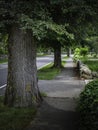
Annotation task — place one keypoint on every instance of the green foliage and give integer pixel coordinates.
(38, 27)
(80, 53)
(45, 29)
(15, 118)
(88, 107)
(47, 18)
(59, 32)
(36, 16)
(77, 51)
(43, 94)
(94, 55)
(93, 43)
(12, 11)
(3, 43)
(1, 51)
(84, 51)
(76, 54)
(79, 14)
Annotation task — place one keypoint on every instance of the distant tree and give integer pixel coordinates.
(55, 38)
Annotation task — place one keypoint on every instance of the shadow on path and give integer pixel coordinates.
(57, 111)
(56, 114)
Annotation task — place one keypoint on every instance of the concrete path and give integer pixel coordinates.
(57, 111)
(66, 84)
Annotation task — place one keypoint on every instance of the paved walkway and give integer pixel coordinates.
(57, 111)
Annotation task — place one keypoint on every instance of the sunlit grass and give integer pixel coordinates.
(93, 65)
(48, 72)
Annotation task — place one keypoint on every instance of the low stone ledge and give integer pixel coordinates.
(85, 72)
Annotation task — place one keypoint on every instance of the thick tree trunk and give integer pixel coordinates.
(57, 56)
(22, 87)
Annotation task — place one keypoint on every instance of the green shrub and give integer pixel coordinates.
(80, 53)
(76, 54)
(94, 55)
(88, 107)
(84, 51)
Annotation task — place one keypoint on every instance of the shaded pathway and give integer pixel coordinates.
(57, 111)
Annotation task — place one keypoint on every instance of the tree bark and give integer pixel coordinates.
(22, 87)
(57, 56)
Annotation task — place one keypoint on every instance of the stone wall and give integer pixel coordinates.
(85, 72)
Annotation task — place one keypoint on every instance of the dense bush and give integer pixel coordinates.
(84, 51)
(88, 107)
(76, 54)
(80, 53)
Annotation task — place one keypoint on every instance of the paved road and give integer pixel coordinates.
(3, 76)
(41, 61)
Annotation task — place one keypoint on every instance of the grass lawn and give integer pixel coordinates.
(48, 72)
(93, 65)
(15, 118)
(3, 61)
